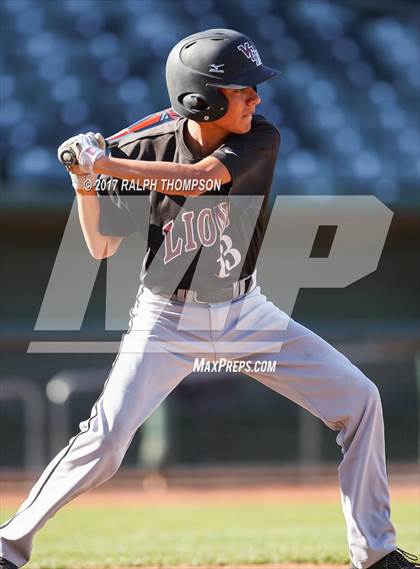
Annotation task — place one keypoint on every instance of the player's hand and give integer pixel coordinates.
(73, 145)
(93, 147)
(86, 148)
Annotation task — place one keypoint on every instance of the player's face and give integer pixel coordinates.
(241, 107)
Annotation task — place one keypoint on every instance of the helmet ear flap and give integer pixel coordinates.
(207, 107)
(194, 102)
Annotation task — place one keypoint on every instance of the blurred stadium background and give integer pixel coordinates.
(347, 106)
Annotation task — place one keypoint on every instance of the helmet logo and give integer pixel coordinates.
(216, 68)
(250, 53)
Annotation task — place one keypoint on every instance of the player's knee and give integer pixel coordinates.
(373, 398)
(367, 389)
(106, 438)
(112, 445)
(363, 411)
(116, 440)
(110, 455)
(367, 393)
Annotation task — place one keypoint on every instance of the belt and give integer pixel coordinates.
(237, 289)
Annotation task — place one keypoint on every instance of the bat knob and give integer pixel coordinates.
(68, 157)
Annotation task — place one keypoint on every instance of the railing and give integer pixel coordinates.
(30, 394)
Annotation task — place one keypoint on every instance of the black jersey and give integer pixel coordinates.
(205, 242)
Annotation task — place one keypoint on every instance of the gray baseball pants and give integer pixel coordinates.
(158, 351)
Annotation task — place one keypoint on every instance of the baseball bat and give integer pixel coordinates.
(68, 156)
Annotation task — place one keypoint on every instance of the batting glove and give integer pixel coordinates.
(88, 155)
(86, 147)
(93, 147)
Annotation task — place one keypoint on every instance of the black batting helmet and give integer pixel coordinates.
(199, 64)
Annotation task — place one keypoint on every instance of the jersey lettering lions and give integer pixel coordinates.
(203, 228)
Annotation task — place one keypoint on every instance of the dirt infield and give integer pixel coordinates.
(155, 490)
(135, 497)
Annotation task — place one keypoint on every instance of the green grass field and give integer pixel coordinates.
(171, 536)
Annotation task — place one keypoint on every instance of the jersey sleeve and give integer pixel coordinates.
(250, 158)
(117, 215)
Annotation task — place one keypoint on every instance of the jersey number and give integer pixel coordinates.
(229, 257)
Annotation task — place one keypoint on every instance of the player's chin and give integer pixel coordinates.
(245, 125)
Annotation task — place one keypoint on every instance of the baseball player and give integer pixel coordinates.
(209, 174)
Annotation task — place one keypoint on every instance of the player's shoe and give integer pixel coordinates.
(4, 564)
(397, 559)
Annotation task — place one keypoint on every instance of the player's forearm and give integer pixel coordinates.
(161, 172)
(100, 246)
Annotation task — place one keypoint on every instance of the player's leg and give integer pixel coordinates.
(142, 375)
(315, 375)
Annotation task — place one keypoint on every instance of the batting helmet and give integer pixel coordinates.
(199, 64)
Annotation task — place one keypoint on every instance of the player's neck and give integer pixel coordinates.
(203, 138)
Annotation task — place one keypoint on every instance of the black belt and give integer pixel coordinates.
(237, 289)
